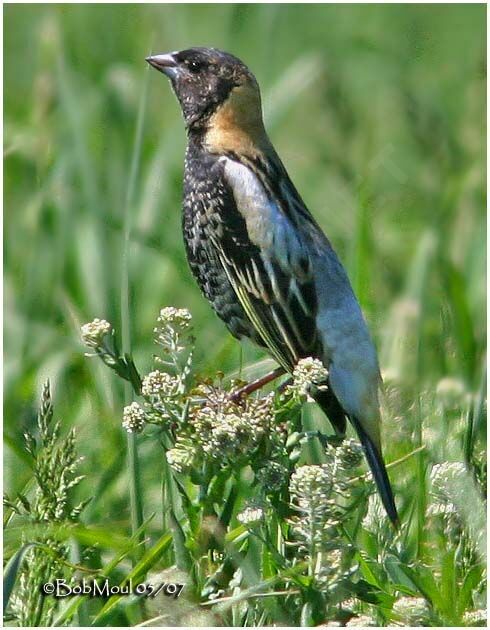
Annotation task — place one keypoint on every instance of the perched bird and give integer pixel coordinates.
(259, 256)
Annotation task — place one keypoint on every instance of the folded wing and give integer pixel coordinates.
(268, 265)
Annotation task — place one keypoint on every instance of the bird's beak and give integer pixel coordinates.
(164, 63)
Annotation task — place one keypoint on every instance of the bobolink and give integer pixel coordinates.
(259, 256)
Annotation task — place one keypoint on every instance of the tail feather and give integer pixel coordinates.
(376, 464)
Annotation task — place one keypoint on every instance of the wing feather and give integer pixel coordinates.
(268, 266)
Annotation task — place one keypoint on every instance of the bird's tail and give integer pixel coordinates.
(377, 466)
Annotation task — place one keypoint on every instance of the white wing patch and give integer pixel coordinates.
(252, 202)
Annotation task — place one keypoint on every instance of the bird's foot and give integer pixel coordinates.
(253, 386)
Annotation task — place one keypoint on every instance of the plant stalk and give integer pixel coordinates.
(135, 490)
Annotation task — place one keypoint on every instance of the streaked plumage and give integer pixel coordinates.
(257, 253)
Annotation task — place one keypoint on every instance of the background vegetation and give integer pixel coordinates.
(378, 114)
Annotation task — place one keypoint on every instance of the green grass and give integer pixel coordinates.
(378, 113)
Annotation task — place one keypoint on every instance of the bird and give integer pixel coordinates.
(259, 256)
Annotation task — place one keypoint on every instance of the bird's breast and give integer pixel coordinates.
(206, 201)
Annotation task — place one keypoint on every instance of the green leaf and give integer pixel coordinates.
(367, 572)
(148, 561)
(132, 374)
(12, 441)
(471, 581)
(235, 535)
(424, 580)
(313, 612)
(370, 593)
(226, 513)
(448, 582)
(462, 320)
(395, 570)
(68, 612)
(306, 619)
(182, 556)
(91, 536)
(11, 571)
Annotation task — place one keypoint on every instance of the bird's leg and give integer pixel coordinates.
(257, 384)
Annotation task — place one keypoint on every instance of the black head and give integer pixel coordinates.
(202, 79)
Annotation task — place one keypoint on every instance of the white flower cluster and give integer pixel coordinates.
(442, 509)
(460, 503)
(173, 332)
(311, 489)
(350, 454)
(450, 392)
(448, 481)
(225, 429)
(361, 621)
(412, 611)
(445, 474)
(181, 457)
(133, 418)
(159, 385)
(307, 372)
(312, 485)
(172, 316)
(375, 519)
(448, 487)
(272, 476)
(251, 515)
(476, 618)
(318, 494)
(94, 332)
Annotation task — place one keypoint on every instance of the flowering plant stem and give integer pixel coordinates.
(135, 491)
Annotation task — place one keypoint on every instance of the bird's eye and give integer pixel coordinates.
(194, 65)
